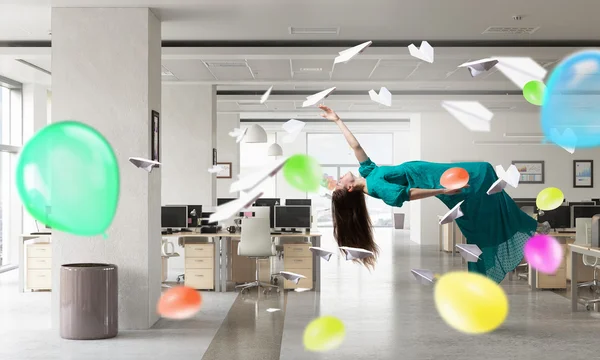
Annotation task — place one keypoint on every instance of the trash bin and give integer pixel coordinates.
(88, 301)
(398, 221)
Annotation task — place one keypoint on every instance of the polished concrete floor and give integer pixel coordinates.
(387, 316)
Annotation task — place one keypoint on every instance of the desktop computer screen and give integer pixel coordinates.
(583, 211)
(597, 201)
(173, 217)
(221, 201)
(270, 202)
(193, 219)
(296, 217)
(304, 202)
(559, 218)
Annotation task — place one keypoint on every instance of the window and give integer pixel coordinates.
(322, 205)
(253, 157)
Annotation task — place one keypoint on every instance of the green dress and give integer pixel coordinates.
(493, 222)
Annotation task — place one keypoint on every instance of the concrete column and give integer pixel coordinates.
(106, 65)
(228, 151)
(189, 135)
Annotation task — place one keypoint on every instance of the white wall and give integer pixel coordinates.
(188, 121)
(227, 151)
(444, 139)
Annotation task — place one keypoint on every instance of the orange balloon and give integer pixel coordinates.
(454, 178)
(180, 302)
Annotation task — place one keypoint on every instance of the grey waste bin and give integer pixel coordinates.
(399, 221)
(88, 301)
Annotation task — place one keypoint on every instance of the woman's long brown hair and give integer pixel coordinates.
(352, 223)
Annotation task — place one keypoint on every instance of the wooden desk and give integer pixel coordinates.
(40, 242)
(583, 250)
(223, 248)
(557, 280)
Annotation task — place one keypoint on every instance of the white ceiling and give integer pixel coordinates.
(366, 20)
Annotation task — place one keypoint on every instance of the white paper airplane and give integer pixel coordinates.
(425, 277)
(497, 187)
(272, 310)
(452, 215)
(238, 134)
(293, 128)
(325, 254)
(265, 96)
(520, 70)
(478, 67)
(471, 114)
(469, 252)
(293, 277)
(384, 97)
(567, 137)
(232, 208)
(511, 175)
(316, 98)
(425, 52)
(348, 54)
(145, 164)
(253, 180)
(356, 253)
(215, 169)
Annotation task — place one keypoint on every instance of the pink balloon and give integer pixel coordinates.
(544, 253)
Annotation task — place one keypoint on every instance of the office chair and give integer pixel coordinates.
(256, 243)
(167, 252)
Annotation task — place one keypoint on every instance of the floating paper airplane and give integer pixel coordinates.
(238, 134)
(471, 114)
(272, 310)
(509, 177)
(215, 169)
(520, 70)
(425, 52)
(425, 277)
(348, 54)
(293, 128)
(325, 254)
(253, 180)
(293, 277)
(145, 164)
(316, 98)
(452, 215)
(568, 138)
(384, 97)
(230, 209)
(356, 253)
(265, 96)
(497, 187)
(469, 252)
(479, 66)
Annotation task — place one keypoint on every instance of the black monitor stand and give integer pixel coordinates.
(291, 231)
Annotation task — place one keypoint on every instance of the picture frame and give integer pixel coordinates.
(155, 136)
(532, 171)
(583, 173)
(226, 172)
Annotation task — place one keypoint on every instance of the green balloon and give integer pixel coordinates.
(534, 92)
(68, 178)
(324, 333)
(303, 172)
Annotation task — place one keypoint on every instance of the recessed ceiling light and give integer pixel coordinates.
(314, 31)
(226, 63)
(310, 69)
(511, 30)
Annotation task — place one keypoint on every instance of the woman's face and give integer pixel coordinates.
(346, 182)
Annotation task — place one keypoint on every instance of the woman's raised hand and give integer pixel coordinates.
(454, 191)
(329, 114)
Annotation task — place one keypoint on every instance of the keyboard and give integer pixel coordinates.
(185, 230)
(276, 233)
(41, 233)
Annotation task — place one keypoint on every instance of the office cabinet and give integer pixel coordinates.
(298, 258)
(558, 280)
(39, 267)
(199, 266)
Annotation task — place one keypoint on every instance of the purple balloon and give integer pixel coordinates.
(544, 253)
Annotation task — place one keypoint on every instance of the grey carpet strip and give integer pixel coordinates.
(249, 332)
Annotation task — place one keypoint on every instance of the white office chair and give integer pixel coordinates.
(256, 243)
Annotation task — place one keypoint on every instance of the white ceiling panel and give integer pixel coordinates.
(439, 70)
(354, 70)
(308, 69)
(187, 70)
(230, 70)
(271, 69)
(281, 105)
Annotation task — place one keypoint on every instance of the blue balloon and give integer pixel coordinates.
(570, 114)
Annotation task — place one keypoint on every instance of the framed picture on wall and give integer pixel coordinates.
(155, 137)
(226, 172)
(583, 173)
(532, 171)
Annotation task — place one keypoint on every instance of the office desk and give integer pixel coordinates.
(222, 243)
(583, 250)
(43, 239)
(561, 274)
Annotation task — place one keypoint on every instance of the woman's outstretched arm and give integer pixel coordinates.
(418, 194)
(354, 144)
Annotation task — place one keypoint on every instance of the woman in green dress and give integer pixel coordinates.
(493, 222)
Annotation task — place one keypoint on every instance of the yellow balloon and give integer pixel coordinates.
(324, 333)
(549, 199)
(470, 302)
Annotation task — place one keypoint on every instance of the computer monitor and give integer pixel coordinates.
(597, 201)
(305, 202)
(575, 203)
(292, 217)
(204, 219)
(270, 202)
(193, 219)
(174, 217)
(583, 211)
(528, 205)
(559, 218)
(221, 201)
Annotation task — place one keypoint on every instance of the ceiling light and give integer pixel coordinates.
(500, 108)
(310, 69)
(314, 31)
(256, 134)
(511, 143)
(226, 64)
(524, 135)
(275, 150)
(510, 30)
